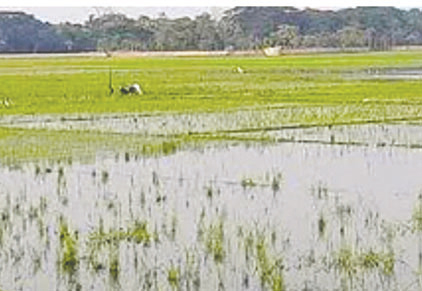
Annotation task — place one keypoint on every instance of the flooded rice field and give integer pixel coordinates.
(276, 119)
(401, 73)
(283, 216)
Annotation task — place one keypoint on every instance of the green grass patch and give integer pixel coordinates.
(80, 85)
(29, 144)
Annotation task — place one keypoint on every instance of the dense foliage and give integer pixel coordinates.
(377, 28)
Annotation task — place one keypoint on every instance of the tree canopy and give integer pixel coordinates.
(239, 28)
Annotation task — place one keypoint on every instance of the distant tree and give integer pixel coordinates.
(378, 28)
(176, 34)
(350, 36)
(206, 33)
(233, 33)
(378, 40)
(287, 36)
(78, 37)
(21, 32)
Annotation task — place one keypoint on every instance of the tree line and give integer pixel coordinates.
(240, 28)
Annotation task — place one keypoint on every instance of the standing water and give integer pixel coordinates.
(290, 216)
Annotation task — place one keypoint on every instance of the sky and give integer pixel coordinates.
(77, 11)
(80, 14)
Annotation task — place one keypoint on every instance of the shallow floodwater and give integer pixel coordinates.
(311, 216)
(411, 73)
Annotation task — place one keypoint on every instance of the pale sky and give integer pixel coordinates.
(80, 14)
(77, 11)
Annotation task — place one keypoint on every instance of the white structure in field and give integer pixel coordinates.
(131, 89)
(272, 51)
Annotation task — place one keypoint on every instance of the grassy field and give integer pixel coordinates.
(312, 89)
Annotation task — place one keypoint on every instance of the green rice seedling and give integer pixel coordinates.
(192, 274)
(370, 260)
(264, 265)
(173, 277)
(139, 233)
(114, 265)
(61, 185)
(94, 262)
(249, 246)
(101, 239)
(69, 256)
(201, 226)
(381, 261)
(351, 262)
(173, 227)
(273, 237)
(346, 261)
(275, 184)
(322, 224)
(104, 177)
(155, 179)
(270, 270)
(60, 174)
(33, 213)
(36, 264)
(209, 192)
(43, 205)
(214, 241)
(278, 283)
(248, 183)
(37, 170)
(388, 262)
(417, 215)
(169, 147)
(142, 199)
